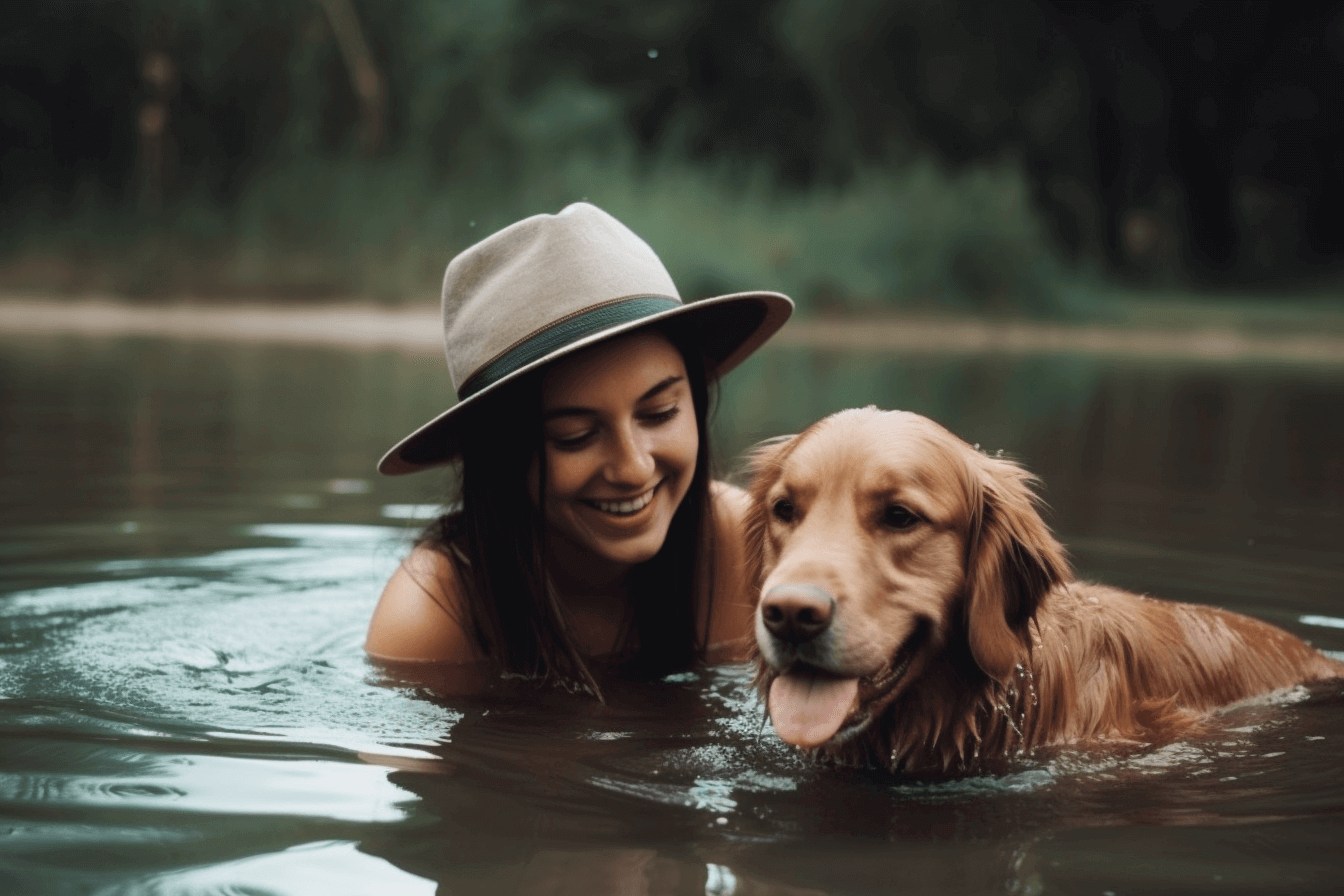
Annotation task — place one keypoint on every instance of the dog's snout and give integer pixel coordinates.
(797, 613)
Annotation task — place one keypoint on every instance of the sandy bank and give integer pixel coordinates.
(417, 330)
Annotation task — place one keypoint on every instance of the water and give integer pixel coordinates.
(191, 541)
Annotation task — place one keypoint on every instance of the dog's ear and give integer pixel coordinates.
(762, 463)
(763, 466)
(1012, 563)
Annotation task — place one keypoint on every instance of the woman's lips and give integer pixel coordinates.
(625, 507)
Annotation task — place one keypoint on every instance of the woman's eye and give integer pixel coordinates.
(571, 442)
(897, 517)
(662, 416)
(783, 510)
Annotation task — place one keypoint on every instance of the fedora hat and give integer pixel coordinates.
(550, 285)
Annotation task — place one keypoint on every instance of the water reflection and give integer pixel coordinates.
(309, 869)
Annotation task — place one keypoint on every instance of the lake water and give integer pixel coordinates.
(192, 539)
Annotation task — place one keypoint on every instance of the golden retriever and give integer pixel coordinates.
(917, 614)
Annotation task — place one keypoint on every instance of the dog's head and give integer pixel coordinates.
(883, 542)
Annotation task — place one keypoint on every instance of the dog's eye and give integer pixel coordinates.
(897, 517)
(783, 510)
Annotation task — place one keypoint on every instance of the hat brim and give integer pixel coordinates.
(729, 328)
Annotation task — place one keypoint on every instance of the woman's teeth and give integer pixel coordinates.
(625, 508)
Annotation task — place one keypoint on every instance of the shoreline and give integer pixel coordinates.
(418, 330)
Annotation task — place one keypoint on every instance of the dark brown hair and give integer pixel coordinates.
(496, 539)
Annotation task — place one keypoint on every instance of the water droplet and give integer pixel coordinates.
(129, 527)
(1250, 542)
(471, 223)
(653, 54)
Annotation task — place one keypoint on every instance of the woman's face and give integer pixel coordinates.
(620, 439)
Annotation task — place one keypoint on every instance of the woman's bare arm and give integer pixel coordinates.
(418, 617)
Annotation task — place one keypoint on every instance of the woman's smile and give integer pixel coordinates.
(623, 508)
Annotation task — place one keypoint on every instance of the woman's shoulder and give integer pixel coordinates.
(420, 615)
(733, 606)
(730, 504)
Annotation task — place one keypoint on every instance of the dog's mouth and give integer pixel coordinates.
(810, 706)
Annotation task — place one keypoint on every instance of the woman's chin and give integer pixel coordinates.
(608, 532)
(629, 551)
(625, 540)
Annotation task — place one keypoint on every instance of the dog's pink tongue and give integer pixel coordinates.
(808, 709)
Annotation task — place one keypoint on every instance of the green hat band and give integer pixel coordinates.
(562, 333)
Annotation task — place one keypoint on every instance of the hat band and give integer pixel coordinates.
(560, 334)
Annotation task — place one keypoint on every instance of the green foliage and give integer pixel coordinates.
(493, 114)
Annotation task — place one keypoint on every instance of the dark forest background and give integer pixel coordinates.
(982, 155)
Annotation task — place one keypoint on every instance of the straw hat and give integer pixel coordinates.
(550, 285)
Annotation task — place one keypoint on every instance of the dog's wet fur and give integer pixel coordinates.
(917, 614)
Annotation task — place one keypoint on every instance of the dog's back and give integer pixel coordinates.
(1112, 664)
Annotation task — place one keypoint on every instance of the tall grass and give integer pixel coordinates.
(912, 239)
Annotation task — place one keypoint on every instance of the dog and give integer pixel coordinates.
(917, 614)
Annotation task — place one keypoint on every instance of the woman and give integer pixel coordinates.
(589, 530)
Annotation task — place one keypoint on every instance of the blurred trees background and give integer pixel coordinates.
(858, 154)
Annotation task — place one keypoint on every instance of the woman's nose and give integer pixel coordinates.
(631, 461)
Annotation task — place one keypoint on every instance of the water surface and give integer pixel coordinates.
(191, 541)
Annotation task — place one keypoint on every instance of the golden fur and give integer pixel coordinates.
(961, 621)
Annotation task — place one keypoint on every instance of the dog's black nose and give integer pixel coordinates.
(797, 612)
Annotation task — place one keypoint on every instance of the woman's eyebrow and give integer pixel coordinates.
(576, 411)
(661, 386)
